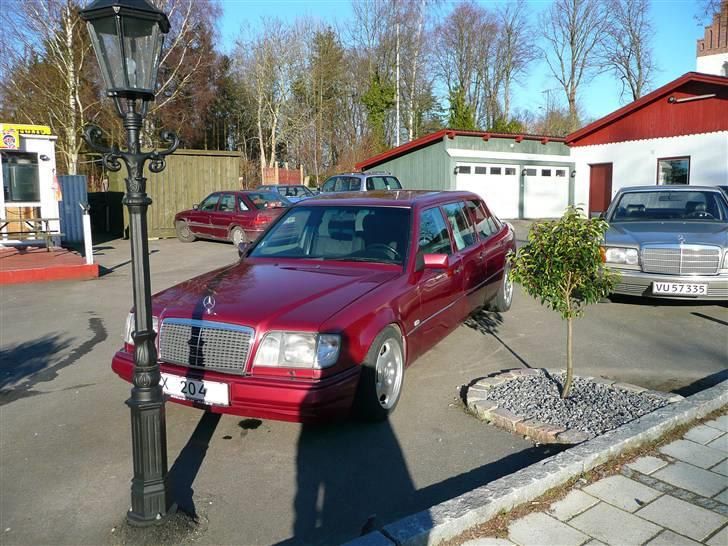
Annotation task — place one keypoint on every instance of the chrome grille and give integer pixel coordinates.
(681, 259)
(205, 344)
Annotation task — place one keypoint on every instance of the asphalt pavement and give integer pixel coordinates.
(65, 460)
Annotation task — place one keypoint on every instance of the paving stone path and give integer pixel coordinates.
(677, 496)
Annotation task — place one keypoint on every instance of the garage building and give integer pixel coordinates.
(678, 134)
(519, 176)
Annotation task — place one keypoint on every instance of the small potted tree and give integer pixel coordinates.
(562, 267)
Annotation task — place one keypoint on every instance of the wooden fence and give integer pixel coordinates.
(190, 176)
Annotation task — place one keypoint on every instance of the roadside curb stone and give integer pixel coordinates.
(454, 516)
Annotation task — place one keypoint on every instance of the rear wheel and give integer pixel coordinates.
(382, 375)
(237, 236)
(184, 233)
(504, 297)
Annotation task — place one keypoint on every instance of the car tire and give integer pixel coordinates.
(382, 377)
(237, 236)
(504, 297)
(184, 233)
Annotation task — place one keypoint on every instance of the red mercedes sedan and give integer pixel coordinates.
(237, 216)
(323, 313)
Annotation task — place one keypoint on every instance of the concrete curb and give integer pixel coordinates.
(450, 518)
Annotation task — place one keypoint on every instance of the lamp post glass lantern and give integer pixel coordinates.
(127, 36)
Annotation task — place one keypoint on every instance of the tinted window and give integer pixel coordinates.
(210, 202)
(242, 205)
(495, 170)
(462, 231)
(366, 234)
(227, 203)
(433, 237)
(510, 171)
(393, 183)
(530, 172)
(480, 219)
(347, 183)
(376, 183)
(481, 170)
(463, 169)
(267, 200)
(329, 184)
(670, 205)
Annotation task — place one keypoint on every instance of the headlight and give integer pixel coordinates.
(627, 256)
(129, 328)
(298, 350)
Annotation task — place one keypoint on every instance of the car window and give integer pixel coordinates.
(227, 203)
(376, 183)
(393, 183)
(267, 200)
(462, 230)
(347, 183)
(330, 184)
(433, 237)
(480, 219)
(210, 202)
(670, 205)
(242, 205)
(342, 233)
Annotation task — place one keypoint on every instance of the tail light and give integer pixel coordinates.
(261, 220)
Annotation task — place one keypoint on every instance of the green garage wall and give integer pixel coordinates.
(425, 169)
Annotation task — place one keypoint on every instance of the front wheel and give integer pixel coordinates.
(184, 233)
(504, 297)
(382, 375)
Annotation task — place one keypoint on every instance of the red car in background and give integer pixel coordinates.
(324, 312)
(237, 216)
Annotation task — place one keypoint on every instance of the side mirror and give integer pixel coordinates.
(195, 206)
(243, 249)
(435, 261)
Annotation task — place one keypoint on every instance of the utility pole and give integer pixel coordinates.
(396, 122)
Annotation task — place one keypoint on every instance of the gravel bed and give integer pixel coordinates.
(592, 408)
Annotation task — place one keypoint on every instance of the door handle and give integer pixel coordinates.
(458, 269)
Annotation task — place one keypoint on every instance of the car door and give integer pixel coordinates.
(485, 229)
(222, 218)
(495, 250)
(439, 290)
(199, 219)
(467, 251)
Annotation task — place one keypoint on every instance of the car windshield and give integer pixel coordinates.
(650, 206)
(268, 200)
(343, 233)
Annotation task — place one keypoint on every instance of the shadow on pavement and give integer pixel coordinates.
(24, 365)
(487, 323)
(185, 468)
(352, 479)
(703, 383)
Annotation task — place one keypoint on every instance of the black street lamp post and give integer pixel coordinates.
(127, 37)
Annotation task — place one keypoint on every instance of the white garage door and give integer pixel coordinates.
(496, 184)
(546, 191)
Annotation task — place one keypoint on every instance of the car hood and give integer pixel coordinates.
(674, 232)
(266, 295)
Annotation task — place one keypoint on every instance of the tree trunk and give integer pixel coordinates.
(569, 359)
(261, 140)
(396, 122)
(71, 83)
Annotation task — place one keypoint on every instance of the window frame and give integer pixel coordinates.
(438, 210)
(674, 158)
(466, 216)
(217, 194)
(219, 202)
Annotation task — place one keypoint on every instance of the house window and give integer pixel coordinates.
(462, 169)
(545, 172)
(495, 170)
(20, 178)
(529, 172)
(673, 170)
(510, 171)
(481, 170)
(560, 173)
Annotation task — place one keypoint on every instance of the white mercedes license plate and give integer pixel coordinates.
(207, 392)
(679, 289)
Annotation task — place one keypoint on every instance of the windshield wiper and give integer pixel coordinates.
(358, 259)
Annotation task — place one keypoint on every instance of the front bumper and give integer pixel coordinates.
(278, 399)
(638, 283)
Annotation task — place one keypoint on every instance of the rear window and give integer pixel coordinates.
(267, 200)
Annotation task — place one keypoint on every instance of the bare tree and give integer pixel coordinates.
(57, 47)
(516, 47)
(573, 32)
(627, 50)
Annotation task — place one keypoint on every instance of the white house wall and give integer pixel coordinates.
(634, 163)
(713, 64)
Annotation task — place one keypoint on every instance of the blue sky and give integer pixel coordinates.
(674, 44)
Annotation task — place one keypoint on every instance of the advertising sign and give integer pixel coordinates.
(10, 134)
